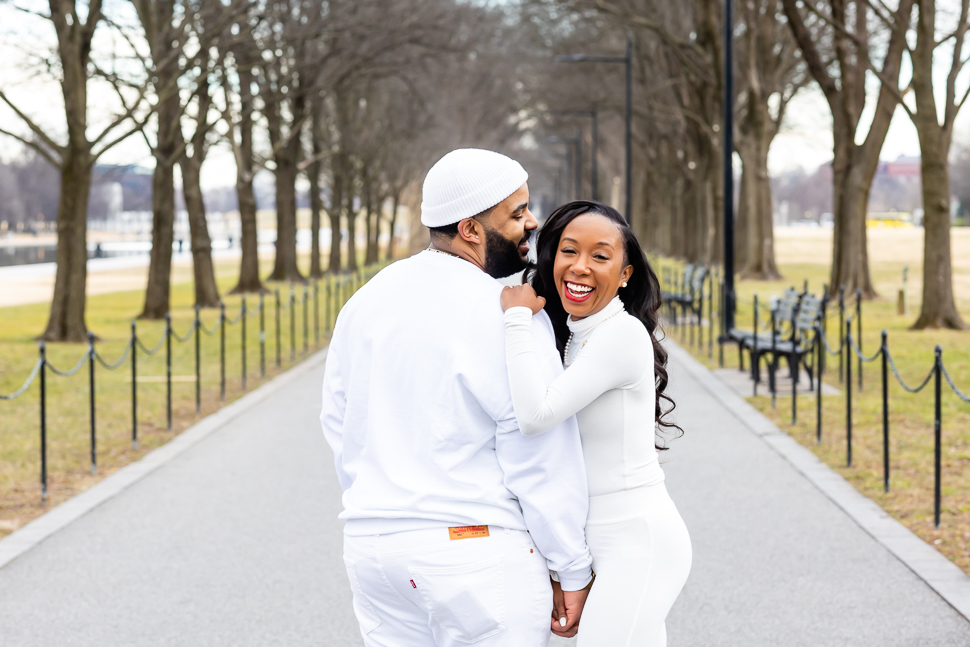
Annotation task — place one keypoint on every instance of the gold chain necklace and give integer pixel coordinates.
(441, 251)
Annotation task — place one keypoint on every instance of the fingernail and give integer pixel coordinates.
(562, 621)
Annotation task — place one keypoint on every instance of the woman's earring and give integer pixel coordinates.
(623, 285)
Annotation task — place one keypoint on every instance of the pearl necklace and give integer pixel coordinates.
(569, 342)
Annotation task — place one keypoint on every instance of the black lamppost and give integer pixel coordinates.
(594, 171)
(729, 296)
(628, 61)
(576, 154)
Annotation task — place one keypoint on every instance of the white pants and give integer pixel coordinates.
(641, 556)
(422, 589)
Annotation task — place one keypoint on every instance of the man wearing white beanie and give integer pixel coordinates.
(453, 517)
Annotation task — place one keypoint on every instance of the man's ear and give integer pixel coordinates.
(471, 231)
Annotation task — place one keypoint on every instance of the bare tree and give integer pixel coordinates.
(772, 74)
(835, 37)
(206, 291)
(938, 309)
(76, 156)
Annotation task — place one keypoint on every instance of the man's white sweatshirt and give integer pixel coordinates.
(418, 412)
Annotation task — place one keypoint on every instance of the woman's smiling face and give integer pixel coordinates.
(590, 265)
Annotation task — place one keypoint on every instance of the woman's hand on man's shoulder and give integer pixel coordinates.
(522, 295)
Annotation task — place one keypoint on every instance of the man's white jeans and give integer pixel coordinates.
(422, 588)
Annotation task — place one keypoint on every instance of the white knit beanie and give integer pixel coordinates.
(466, 182)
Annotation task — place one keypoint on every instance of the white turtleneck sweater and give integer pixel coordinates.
(608, 384)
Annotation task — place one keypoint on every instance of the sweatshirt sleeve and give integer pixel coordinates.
(332, 415)
(608, 361)
(548, 476)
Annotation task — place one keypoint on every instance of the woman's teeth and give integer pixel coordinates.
(577, 290)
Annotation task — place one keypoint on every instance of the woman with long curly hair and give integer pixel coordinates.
(594, 281)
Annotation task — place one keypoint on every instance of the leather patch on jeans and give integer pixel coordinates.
(467, 532)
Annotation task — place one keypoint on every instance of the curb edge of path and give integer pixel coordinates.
(50, 523)
(939, 573)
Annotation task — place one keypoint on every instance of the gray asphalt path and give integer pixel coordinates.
(235, 543)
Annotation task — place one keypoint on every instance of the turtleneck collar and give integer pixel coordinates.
(590, 322)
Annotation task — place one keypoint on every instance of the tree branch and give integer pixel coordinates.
(34, 145)
(37, 130)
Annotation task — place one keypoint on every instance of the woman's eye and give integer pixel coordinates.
(567, 251)
(600, 257)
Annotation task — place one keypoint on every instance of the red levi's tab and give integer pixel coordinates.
(413, 585)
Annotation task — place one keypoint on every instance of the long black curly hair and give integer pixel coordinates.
(641, 297)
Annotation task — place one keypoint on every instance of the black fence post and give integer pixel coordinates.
(794, 388)
(43, 421)
(721, 323)
(885, 412)
(825, 327)
(848, 397)
(841, 330)
(858, 327)
(262, 336)
(818, 384)
(710, 315)
(937, 434)
(198, 361)
(168, 368)
(279, 360)
(222, 350)
(316, 312)
(134, 387)
(292, 324)
(306, 326)
(243, 316)
(92, 404)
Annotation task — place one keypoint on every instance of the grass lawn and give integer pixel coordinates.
(109, 316)
(806, 254)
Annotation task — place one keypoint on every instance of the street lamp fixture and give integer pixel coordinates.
(627, 60)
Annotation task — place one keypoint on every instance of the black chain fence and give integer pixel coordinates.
(802, 339)
(336, 289)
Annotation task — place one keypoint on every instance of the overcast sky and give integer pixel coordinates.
(805, 142)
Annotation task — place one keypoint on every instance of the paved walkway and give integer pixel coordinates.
(235, 542)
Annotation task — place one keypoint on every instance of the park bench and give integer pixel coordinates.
(688, 295)
(799, 343)
(755, 342)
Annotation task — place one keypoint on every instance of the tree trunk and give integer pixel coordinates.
(316, 200)
(351, 229)
(938, 309)
(206, 291)
(756, 211)
(742, 218)
(66, 322)
(286, 268)
(389, 254)
(245, 195)
(850, 201)
(166, 153)
(163, 229)
(336, 207)
(373, 212)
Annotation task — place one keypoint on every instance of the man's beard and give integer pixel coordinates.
(502, 255)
